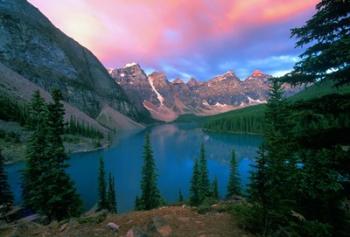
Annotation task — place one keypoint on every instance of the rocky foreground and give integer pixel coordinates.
(179, 221)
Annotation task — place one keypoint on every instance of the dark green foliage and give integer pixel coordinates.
(195, 192)
(181, 197)
(215, 189)
(78, 128)
(247, 120)
(297, 187)
(150, 197)
(6, 197)
(234, 184)
(240, 120)
(9, 136)
(200, 189)
(102, 189)
(328, 32)
(63, 201)
(47, 189)
(204, 183)
(33, 194)
(259, 179)
(11, 110)
(272, 182)
(138, 204)
(111, 198)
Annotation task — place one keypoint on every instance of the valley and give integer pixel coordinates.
(221, 128)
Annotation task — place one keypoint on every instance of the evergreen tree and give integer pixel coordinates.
(273, 174)
(278, 146)
(6, 197)
(195, 189)
(36, 106)
(62, 200)
(259, 179)
(102, 198)
(181, 197)
(47, 189)
(203, 171)
(328, 33)
(150, 194)
(111, 198)
(33, 191)
(138, 204)
(234, 186)
(215, 189)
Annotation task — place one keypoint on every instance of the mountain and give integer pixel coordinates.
(34, 48)
(167, 100)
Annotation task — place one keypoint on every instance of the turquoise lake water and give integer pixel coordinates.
(175, 147)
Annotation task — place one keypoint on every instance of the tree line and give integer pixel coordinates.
(237, 123)
(12, 110)
(74, 126)
(46, 187)
(300, 186)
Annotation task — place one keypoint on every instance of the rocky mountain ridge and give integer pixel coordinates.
(166, 100)
(33, 47)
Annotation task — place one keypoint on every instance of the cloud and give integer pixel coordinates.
(206, 33)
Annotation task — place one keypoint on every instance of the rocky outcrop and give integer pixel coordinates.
(37, 50)
(167, 100)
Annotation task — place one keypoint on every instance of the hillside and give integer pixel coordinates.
(178, 221)
(250, 119)
(34, 48)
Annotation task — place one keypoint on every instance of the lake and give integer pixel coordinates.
(175, 147)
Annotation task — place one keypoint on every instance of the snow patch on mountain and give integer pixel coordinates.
(218, 104)
(159, 96)
(130, 65)
(204, 102)
(252, 101)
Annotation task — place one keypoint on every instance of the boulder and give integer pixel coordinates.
(136, 232)
(63, 227)
(161, 226)
(114, 227)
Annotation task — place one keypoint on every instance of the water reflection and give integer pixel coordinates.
(175, 148)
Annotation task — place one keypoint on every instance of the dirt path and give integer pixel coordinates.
(162, 222)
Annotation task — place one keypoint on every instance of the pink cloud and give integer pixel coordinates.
(122, 31)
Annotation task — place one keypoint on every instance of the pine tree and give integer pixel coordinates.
(277, 144)
(36, 107)
(259, 179)
(234, 186)
(62, 201)
(102, 198)
(181, 197)
(150, 193)
(328, 34)
(215, 189)
(6, 196)
(33, 189)
(111, 198)
(195, 196)
(203, 171)
(47, 189)
(138, 204)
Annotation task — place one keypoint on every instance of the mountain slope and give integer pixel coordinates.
(37, 50)
(167, 100)
(250, 119)
(21, 89)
